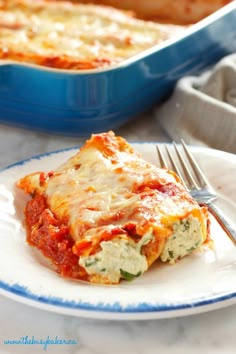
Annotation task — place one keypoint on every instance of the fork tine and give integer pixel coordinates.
(198, 172)
(162, 160)
(188, 174)
(175, 167)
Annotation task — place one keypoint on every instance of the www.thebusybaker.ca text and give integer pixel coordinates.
(43, 342)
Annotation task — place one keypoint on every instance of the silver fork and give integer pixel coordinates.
(195, 181)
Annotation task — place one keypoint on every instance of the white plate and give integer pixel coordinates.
(200, 282)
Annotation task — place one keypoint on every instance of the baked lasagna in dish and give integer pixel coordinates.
(106, 214)
(173, 11)
(66, 35)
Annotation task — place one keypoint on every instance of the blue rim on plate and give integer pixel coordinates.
(78, 103)
(115, 307)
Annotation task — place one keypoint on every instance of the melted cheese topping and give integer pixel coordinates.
(102, 189)
(107, 184)
(180, 11)
(74, 36)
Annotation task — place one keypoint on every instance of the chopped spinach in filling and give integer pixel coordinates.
(187, 236)
(119, 258)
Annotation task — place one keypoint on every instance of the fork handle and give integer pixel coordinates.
(218, 214)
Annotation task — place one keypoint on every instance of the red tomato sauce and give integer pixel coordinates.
(52, 238)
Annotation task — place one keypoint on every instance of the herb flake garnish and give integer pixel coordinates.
(129, 276)
(171, 254)
(90, 262)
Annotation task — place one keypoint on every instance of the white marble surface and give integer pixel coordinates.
(21, 144)
(208, 333)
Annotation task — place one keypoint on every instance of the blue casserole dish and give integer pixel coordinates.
(78, 103)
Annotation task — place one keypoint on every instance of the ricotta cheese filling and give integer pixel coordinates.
(187, 236)
(119, 258)
(122, 258)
